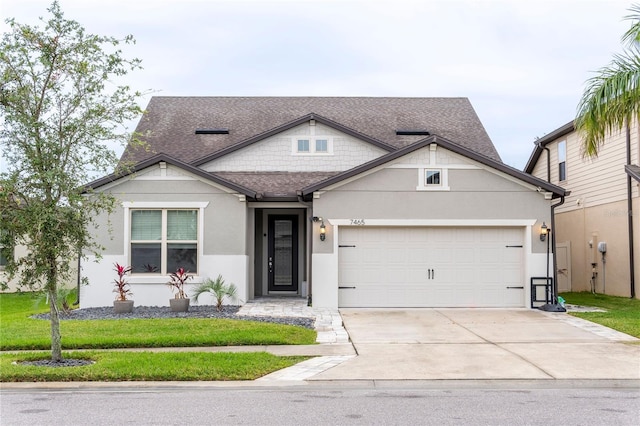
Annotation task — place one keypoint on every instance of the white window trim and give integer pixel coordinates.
(127, 206)
(312, 146)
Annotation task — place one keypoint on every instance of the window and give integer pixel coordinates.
(5, 253)
(321, 145)
(164, 240)
(562, 160)
(303, 145)
(311, 145)
(432, 177)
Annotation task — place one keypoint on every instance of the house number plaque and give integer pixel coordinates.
(359, 222)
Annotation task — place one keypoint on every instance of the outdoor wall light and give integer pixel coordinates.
(544, 231)
(323, 231)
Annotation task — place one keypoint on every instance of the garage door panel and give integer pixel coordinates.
(437, 267)
(418, 254)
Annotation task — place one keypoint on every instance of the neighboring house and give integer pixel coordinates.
(15, 285)
(595, 212)
(351, 202)
(12, 285)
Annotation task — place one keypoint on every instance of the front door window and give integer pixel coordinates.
(283, 253)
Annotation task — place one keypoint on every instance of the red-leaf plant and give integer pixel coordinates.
(178, 279)
(122, 286)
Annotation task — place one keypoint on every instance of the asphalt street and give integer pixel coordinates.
(523, 403)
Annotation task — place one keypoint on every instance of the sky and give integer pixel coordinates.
(522, 64)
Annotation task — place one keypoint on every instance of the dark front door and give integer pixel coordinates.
(282, 261)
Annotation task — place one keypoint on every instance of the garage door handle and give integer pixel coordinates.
(520, 288)
(345, 287)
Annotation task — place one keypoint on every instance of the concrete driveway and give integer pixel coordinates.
(475, 344)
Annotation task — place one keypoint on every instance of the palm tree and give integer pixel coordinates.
(612, 98)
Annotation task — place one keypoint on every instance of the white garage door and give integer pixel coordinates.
(430, 267)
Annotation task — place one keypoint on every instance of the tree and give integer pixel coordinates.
(61, 111)
(612, 97)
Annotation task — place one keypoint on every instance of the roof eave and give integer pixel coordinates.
(556, 190)
(633, 171)
(543, 141)
(158, 158)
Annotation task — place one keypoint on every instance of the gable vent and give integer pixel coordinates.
(412, 133)
(212, 131)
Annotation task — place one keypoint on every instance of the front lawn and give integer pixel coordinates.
(18, 331)
(623, 313)
(147, 366)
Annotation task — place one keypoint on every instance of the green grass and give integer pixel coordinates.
(147, 366)
(20, 332)
(623, 313)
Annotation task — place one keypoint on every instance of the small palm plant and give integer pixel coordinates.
(178, 279)
(122, 286)
(218, 289)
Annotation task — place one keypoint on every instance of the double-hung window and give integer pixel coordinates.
(163, 240)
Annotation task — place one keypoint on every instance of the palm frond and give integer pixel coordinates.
(632, 36)
(611, 100)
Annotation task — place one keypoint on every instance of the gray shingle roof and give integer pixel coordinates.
(170, 122)
(275, 184)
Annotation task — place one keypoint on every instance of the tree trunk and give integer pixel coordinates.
(56, 343)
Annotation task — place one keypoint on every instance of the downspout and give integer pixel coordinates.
(554, 285)
(554, 306)
(630, 218)
(309, 228)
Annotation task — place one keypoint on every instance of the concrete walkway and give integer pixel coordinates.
(328, 322)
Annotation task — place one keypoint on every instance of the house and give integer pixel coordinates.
(595, 239)
(350, 202)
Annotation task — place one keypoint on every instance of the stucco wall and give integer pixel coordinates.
(474, 195)
(224, 217)
(606, 223)
(223, 244)
(391, 195)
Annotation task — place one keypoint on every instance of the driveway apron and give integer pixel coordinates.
(476, 344)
